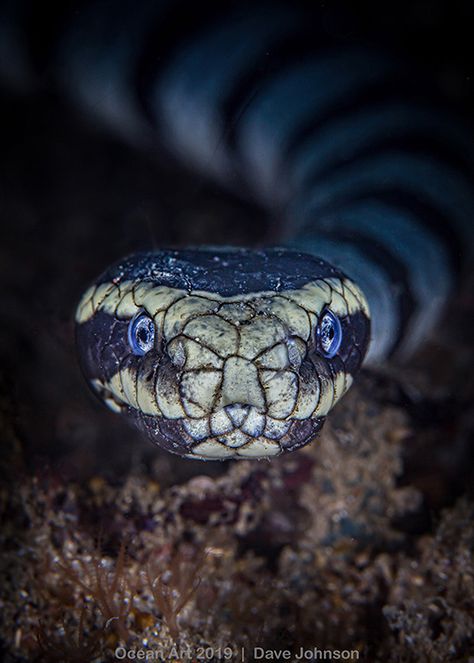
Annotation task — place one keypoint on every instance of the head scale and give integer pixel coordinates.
(221, 354)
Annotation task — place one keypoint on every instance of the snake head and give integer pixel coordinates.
(219, 354)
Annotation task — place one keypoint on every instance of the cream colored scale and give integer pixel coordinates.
(235, 384)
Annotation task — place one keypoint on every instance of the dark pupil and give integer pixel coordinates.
(142, 335)
(331, 333)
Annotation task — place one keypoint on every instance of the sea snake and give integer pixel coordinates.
(232, 353)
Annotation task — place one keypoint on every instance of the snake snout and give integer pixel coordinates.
(241, 386)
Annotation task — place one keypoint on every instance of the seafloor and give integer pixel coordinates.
(362, 541)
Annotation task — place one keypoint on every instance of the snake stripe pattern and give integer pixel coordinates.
(251, 381)
(236, 353)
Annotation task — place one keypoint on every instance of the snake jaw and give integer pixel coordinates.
(232, 421)
(192, 438)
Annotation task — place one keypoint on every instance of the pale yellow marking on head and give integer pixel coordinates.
(197, 428)
(177, 352)
(261, 333)
(114, 394)
(313, 296)
(116, 387)
(85, 308)
(358, 301)
(215, 333)
(196, 356)
(326, 397)
(126, 307)
(339, 386)
(237, 414)
(348, 381)
(146, 397)
(281, 390)
(249, 297)
(114, 298)
(308, 398)
(296, 351)
(220, 423)
(158, 298)
(352, 302)
(104, 297)
(159, 319)
(125, 388)
(112, 404)
(234, 439)
(128, 379)
(101, 292)
(236, 313)
(198, 391)
(338, 305)
(179, 313)
(142, 289)
(275, 428)
(168, 397)
(254, 424)
(276, 358)
(109, 399)
(291, 314)
(334, 284)
(240, 384)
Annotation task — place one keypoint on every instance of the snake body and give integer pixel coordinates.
(234, 353)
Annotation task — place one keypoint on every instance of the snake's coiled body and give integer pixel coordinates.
(241, 354)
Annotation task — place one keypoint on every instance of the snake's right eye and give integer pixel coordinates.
(141, 334)
(329, 334)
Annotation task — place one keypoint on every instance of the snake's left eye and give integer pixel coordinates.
(141, 334)
(329, 334)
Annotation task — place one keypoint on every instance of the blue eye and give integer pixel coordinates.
(329, 334)
(141, 334)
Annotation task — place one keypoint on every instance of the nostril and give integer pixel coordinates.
(177, 354)
(296, 351)
(237, 413)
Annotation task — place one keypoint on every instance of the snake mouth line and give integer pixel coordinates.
(276, 438)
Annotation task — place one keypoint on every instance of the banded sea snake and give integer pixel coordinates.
(236, 353)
